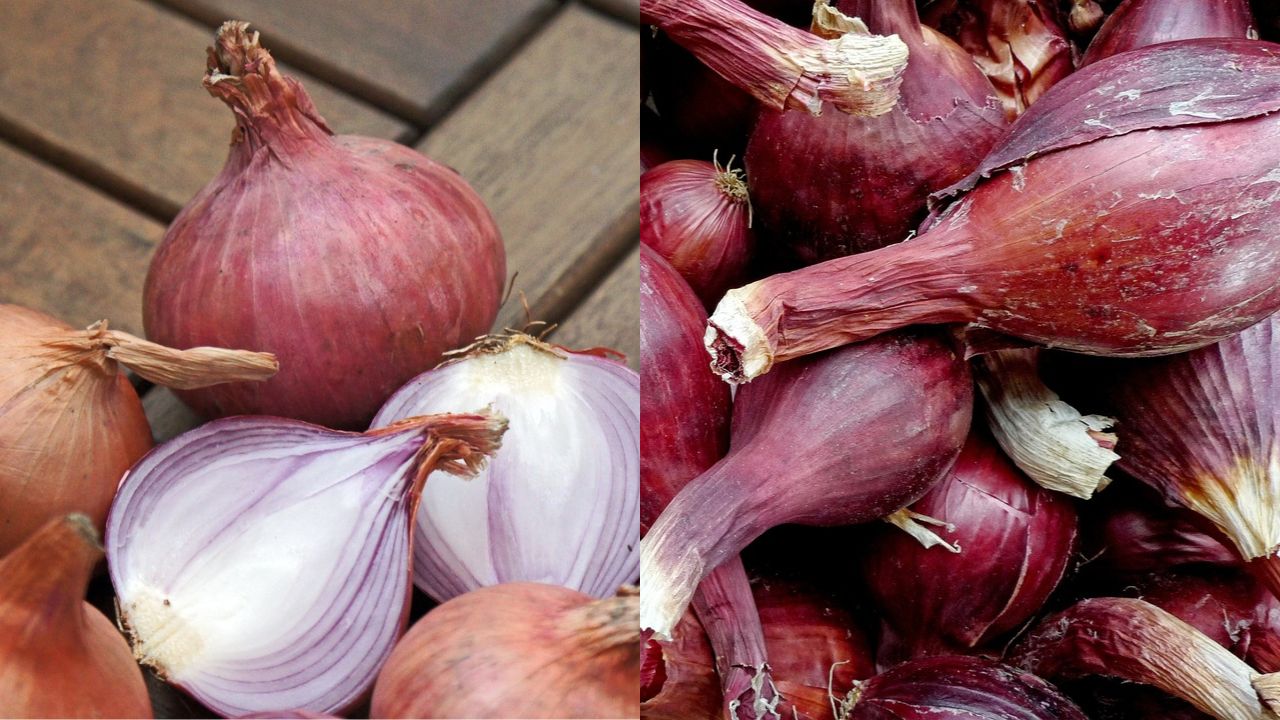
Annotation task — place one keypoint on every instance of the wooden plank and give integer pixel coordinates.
(116, 87)
(169, 418)
(551, 142)
(411, 58)
(67, 250)
(627, 10)
(610, 316)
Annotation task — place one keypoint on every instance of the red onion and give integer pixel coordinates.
(263, 564)
(1104, 698)
(1014, 541)
(828, 186)
(1137, 641)
(959, 688)
(1018, 44)
(678, 678)
(699, 111)
(71, 423)
(698, 217)
(1201, 428)
(1160, 247)
(60, 656)
(516, 650)
(1134, 532)
(782, 67)
(841, 438)
(558, 504)
(356, 260)
(688, 432)
(1138, 23)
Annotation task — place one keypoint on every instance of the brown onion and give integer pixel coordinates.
(1107, 222)
(516, 650)
(782, 67)
(698, 217)
(1018, 44)
(60, 656)
(1138, 23)
(678, 678)
(828, 186)
(840, 438)
(1011, 542)
(356, 260)
(71, 423)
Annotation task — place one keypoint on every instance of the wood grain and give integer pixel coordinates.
(551, 142)
(610, 316)
(67, 250)
(115, 87)
(412, 58)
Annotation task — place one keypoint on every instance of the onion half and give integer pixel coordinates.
(263, 564)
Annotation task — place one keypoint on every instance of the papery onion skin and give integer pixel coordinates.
(1138, 23)
(678, 678)
(1018, 44)
(558, 503)
(291, 538)
(516, 650)
(942, 688)
(840, 438)
(1164, 247)
(356, 260)
(697, 215)
(1015, 542)
(1137, 641)
(60, 656)
(824, 187)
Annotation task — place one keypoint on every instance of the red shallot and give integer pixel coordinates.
(71, 423)
(1138, 23)
(1109, 221)
(828, 186)
(60, 656)
(516, 650)
(678, 678)
(840, 438)
(263, 564)
(698, 217)
(558, 503)
(1011, 542)
(356, 260)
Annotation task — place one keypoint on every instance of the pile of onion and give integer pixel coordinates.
(71, 423)
(357, 261)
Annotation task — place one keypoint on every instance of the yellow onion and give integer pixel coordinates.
(60, 656)
(70, 421)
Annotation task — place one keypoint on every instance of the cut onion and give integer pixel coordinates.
(558, 504)
(263, 564)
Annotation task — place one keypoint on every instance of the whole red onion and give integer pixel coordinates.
(957, 688)
(678, 678)
(840, 438)
(697, 215)
(355, 260)
(1018, 44)
(828, 186)
(1138, 23)
(1015, 540)
(1109, 223)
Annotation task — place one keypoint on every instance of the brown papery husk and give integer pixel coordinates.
(1168, 242)
(1018, 44)
(782, 67)
(60, 656)
(1200, 428)
(678, 678)
(824, 187)
(1135, 640)
(1139, 23)
(517, 650)
(70, 421)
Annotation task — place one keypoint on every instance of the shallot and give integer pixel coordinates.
(678, 678)
(356, 260)
(1109, 221)
(263, 564)
(1138, 23)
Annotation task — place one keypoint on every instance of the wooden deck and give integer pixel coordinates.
(105, 132)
